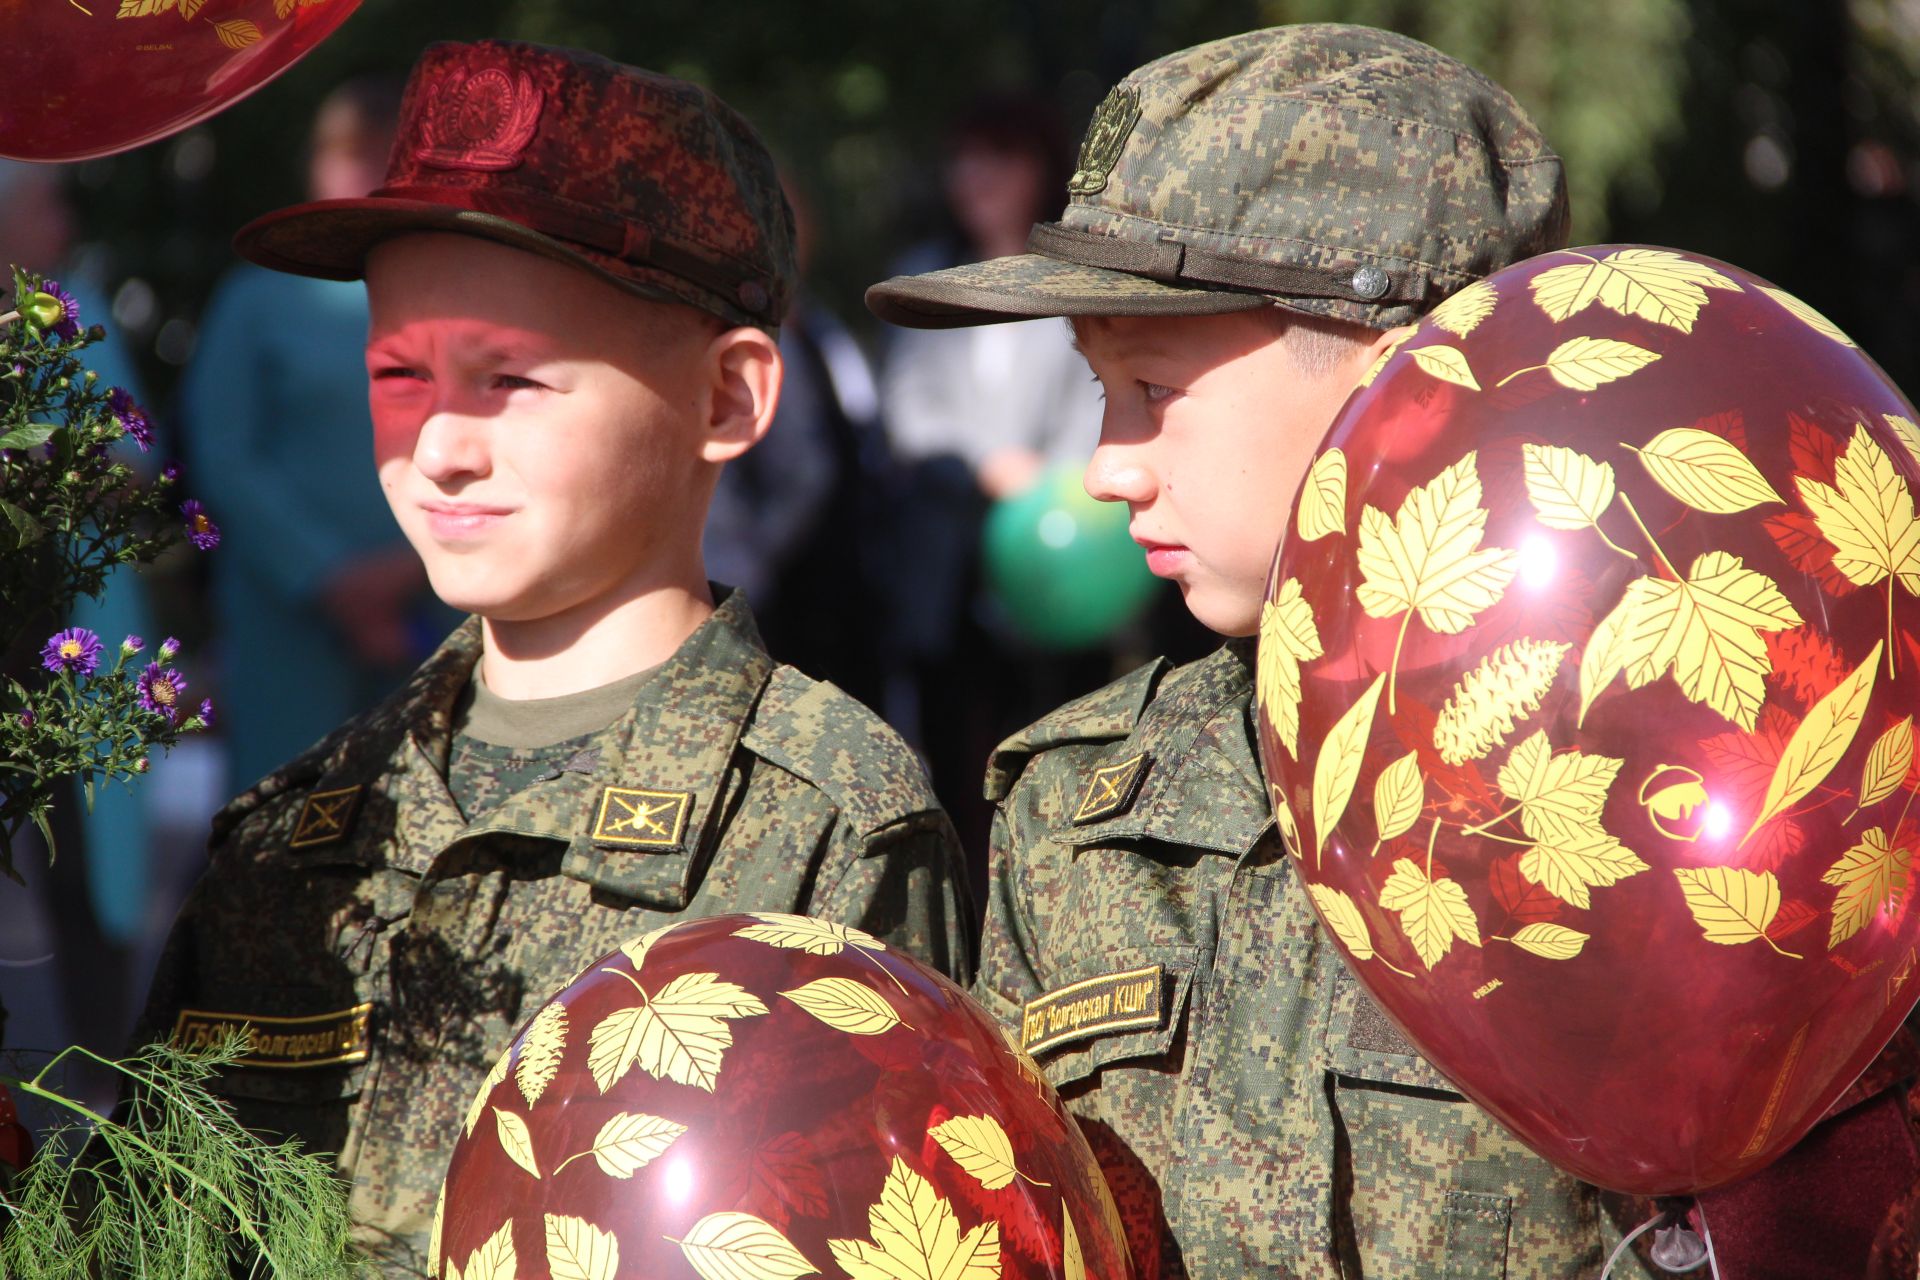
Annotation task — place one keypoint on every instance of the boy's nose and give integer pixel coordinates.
(451, 445)
(1119, 473)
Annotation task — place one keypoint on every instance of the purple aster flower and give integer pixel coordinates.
(131, 417)
(205, 713)
(132, 644)
(170, 473)
(201, 532)
(160, 689)
(68, 325)
(168, 648)
(75, 650)
(26, 718)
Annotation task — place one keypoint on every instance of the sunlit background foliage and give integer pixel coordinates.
(1777, 134)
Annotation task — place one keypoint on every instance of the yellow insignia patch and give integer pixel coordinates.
(1126, 1001)
(1111, 789)
(637, 818)
(327, 816)
(318, 1040)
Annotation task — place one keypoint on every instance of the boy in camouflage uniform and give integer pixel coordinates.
(1251, 221)
(575, 271)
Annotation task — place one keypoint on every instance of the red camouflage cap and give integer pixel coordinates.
(650, 182)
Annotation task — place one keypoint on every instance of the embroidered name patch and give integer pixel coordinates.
(319, 1040)
(1129, 1001)
(327, 816)
(636, 818)
(1111, 790)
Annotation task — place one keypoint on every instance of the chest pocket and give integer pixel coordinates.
(1419, 1204)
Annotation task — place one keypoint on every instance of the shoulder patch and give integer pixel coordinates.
(1104, 715)
(326, 817)
(815, 731)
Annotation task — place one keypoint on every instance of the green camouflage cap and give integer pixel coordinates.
(1336, 170)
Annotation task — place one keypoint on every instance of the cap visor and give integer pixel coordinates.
(1028, 285)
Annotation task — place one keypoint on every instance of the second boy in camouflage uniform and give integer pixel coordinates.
(1251, 220)
(574, 270)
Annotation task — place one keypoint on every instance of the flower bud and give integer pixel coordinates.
(141, 765)
(43, 310)
(168, 648)
(132, 645)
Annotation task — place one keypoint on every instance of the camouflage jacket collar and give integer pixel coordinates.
(669, 753)
(1198, 779)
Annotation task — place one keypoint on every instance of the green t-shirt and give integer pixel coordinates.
(500, 745)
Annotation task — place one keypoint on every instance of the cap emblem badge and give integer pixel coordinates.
(1106, 137)
(480, 121)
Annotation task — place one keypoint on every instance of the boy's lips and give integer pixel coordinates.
(455, 520)
(1164, 559)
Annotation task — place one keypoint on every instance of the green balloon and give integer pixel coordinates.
(1061, 565)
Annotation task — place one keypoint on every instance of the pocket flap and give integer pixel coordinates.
(1362, 1042)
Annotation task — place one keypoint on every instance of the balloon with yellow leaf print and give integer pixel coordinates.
(1588, 678)
(767, 1097)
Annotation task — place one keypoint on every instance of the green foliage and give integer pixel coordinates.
(72, 510)
(175, 1188)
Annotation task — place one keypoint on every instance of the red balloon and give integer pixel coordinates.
(771, 1096)
(88, 78)
(1587, 676)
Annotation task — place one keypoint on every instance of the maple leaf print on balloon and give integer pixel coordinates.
(679, 1033)
(1649, 284)
(1867, 514)
(915, 1234)
(1705, 629)
(1428, 559)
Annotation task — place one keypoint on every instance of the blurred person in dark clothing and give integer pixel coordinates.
(320, 604)
(974, 416)
(796, 523)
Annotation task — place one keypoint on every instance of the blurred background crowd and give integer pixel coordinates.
(1784, 137)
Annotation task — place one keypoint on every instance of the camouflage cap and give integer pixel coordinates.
(1336, 170)
(652, 183)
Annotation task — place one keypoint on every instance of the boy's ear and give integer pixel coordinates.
(744, 372)
(1385, 339)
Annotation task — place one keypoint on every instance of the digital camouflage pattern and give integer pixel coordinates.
(788, 796)
(1271, 1122)
(1338, 170)
(650, 182)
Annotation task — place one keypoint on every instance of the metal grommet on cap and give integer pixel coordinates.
(753, 296)
(1370, 282)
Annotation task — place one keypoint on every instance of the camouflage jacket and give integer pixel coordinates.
(384, 949)
(1255, 1112)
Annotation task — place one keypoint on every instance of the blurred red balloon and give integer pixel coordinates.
(762, 1097)
(1588, 676)
(88, 78)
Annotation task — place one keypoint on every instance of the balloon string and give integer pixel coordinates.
(1662, 1218)
(1626, 1241)
(1706, 1234)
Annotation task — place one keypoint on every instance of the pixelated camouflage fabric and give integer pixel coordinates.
(569, 154)
(801, 801)
(1320, 146)
(1274, 1123)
